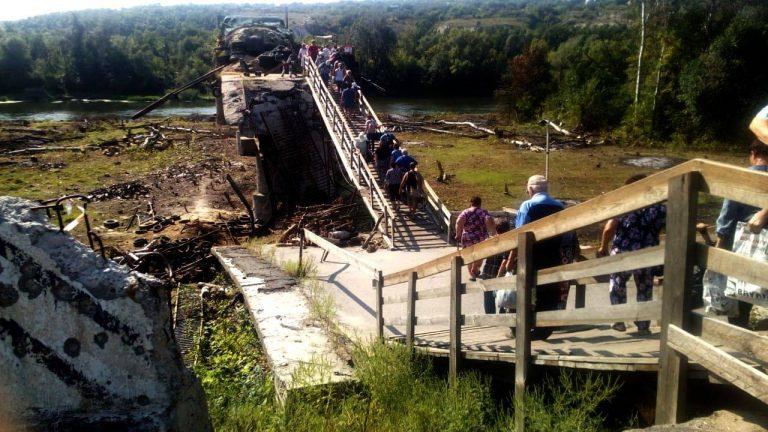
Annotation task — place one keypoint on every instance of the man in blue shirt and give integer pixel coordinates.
(404, 161)
(396, 153)
(540, 203)
(734, 212)
(546, 253)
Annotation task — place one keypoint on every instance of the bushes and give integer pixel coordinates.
(395, 391)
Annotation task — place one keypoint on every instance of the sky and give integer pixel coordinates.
(15, 10)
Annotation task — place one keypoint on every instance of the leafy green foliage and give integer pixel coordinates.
(525, 86)
(703, 73)
(395, 391)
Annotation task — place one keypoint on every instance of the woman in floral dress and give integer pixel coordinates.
(630, 232)
(473, 226)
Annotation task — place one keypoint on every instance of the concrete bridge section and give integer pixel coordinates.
(304, 144)
(85, 344)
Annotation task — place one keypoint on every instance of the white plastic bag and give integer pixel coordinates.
(755, 246)
(714, 297)
(506, 299)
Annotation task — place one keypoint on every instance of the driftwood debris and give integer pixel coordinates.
(464, 129)
(470, 124)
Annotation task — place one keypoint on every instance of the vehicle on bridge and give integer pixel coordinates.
(257, 41)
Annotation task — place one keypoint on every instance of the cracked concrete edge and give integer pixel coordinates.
(286, 381)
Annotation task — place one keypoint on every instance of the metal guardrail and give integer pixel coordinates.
(353, 161)
(436, 208)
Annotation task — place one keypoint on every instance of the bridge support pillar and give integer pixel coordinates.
(679, 257)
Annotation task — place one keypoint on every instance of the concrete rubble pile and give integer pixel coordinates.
(84, 343)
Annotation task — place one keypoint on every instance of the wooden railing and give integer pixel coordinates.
(679, 186)
(344, 141)
(308, 236)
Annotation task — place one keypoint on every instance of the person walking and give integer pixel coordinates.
(303, 53)
(472, 226)
(734, 212)
(546, 253)
(394, 177)
(338, 76)
(396, 153)
(350, 99)
(381, 154)
(492, 268)
(325, 71)
(372, 134)
(404, 160)
(313, 50)
(412, 186)
(630, 232)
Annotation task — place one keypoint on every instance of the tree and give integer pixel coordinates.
(526, 83)
(15, 65)
(374, 42)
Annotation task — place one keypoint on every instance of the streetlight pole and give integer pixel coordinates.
(546, 159)
(546, 123)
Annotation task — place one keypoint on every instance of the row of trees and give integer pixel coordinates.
(661, 68)
(652, 67)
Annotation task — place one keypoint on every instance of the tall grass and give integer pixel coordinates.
(395, 390)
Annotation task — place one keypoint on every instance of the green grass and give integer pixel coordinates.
(89, 170)
(395, 391)
(307, 269)
(482, 167)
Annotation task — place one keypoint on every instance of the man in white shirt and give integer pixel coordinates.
(302, 54)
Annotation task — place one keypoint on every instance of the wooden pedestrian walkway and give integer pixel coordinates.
(583, 337)
(426, 228)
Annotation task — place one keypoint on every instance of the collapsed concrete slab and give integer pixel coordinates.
(84, 342)
(301, 354)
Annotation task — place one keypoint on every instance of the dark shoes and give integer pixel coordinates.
(619, 326)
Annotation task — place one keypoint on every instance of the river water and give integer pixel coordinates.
(77, 109)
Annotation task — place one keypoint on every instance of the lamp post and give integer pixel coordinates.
(545, 123)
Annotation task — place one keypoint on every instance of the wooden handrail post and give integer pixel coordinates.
(679, 257)
(454, 356)
(526, 283)
(379, 305)
(386, 220)
(581, 296)
(301, 246)
(410, 326)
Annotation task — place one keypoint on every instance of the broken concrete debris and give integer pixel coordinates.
(84, 342)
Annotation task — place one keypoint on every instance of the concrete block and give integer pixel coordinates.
(84, 343)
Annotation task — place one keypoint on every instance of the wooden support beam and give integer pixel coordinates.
(327, 246)
(679, 258)
(526, 283)
(753, 345)
(411, 324)
(379, 281)
(722, 364)
(732, 264)
(454, 358)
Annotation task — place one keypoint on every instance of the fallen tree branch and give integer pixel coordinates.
(470, 124)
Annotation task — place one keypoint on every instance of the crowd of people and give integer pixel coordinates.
(396, 170)
(630, 232)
